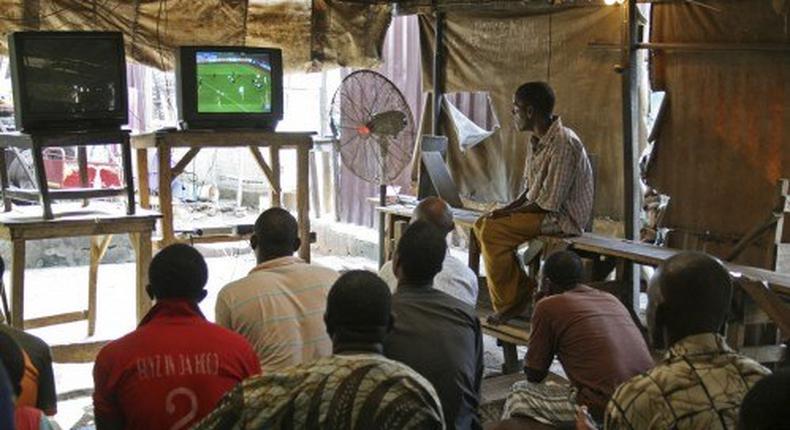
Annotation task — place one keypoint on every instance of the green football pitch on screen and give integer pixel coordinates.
(227, 87)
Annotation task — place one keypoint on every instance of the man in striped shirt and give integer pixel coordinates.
(279, 306)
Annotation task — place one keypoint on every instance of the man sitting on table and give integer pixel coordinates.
(455, 278)
(557, 200)
(171, 371)
(279, 305)
(595, 339)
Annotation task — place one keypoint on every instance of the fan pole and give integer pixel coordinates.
(382, 220)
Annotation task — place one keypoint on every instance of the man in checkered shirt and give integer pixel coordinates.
(701, 382)
(557, 199)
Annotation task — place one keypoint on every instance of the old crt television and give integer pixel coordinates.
(68, 80)
(229, 87)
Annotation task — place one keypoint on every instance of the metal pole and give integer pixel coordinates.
(438, 71)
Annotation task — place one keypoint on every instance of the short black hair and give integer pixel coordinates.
(358, 307)
(765, 406)
(276, 230)
(696, 290)
(13, 360)
(177, 271)
(421, 251)
(564, 269)
(537, 94)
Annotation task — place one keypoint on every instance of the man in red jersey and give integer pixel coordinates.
(171, 371)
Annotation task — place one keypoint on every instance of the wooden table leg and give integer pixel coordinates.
(4, 181)
(126, 151)
(142, 178)
(41, 178)
(82, 164)
(18, 285)
(166, 195)
(99, 246)
(303, 200)
(511, 364)
(142, 249)
(274, 156)
(474, 253)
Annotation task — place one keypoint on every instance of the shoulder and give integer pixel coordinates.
(634, 398)
(321, 270)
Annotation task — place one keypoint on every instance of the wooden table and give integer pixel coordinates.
(164, 142)
(99, 222)
(38, 141)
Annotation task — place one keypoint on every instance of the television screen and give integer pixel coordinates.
(234, 82)
(229, 87)
(68, 79)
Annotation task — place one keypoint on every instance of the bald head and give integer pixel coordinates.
(693, 291)
(435, 211)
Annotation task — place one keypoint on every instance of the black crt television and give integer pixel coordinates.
(229, 87)
(68, 80)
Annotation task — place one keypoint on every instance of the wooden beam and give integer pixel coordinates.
(165, 193)
(274, 156)
(77, 352)
(142, 178)
(56, 319)
(99, 245)
(303, 200)
(438, 71)
(182, 163)
(770, 303)
(18, 285)
(630, 104)
(274, 182)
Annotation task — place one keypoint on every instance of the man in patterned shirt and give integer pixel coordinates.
(557, 199)
(356, 388)
(701, 382)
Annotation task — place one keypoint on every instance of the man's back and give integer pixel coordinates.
(699, 385)
(594, 338)
(439, 336)
(171, 371)
(364, 391)
(455, 279)
(279, 307)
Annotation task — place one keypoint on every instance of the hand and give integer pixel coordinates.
(583, 419)
(499, 213)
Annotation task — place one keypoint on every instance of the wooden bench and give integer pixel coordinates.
(766, 289)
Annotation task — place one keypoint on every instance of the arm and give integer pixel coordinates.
(222, 312)
(511, 207)
(540, 352)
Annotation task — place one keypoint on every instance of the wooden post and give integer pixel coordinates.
(314, 189)
(98, 248)
(165, 194)
(303, 198)
(142, 249)
(630, 143)
(4, 181)
(18, 284)
(142, 178)
(326, 184)
(274, 155)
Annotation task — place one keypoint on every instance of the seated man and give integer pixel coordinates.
(38, 383)
(280, 304)
(557, 200)
(701, 381)
(435, 334)
(765, 406)
(173, 369)
(456, 278)
(591, 333)
(12, 360)
(356, 388)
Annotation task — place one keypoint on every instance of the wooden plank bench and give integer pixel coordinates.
(767, 289)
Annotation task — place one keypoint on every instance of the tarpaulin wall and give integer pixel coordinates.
(341, 34)
(726, 138)
(496, 52)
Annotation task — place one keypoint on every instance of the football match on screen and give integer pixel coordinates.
(232, 82)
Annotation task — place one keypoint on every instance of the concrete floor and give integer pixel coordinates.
(64, 289)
